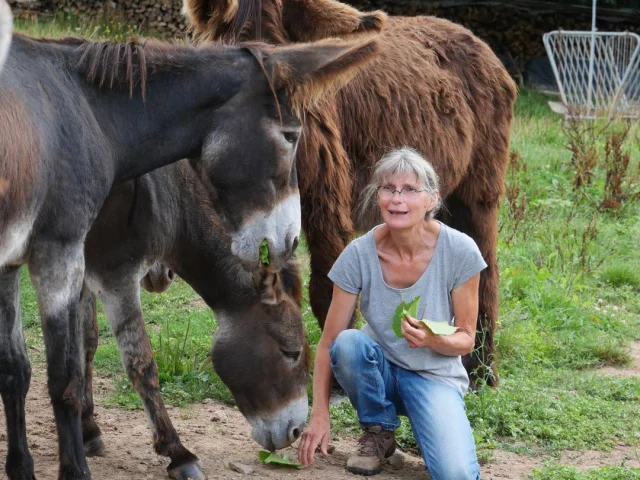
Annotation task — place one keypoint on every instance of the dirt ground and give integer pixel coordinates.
(218, 434)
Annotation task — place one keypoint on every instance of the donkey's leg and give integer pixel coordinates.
(325, 192)
(125, 316)
(91, 434)
(15, 374)
(57, 272)
(480, 221)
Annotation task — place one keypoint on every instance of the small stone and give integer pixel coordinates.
(240, 468)
(397, 460)
(142, 468)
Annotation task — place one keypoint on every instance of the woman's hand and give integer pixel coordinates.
(318, 432)
(417, 334)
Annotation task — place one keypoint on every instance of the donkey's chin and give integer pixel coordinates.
(280, 429)
(280, 228)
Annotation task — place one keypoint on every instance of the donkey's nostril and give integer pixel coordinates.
(295, 244)
(294, 434)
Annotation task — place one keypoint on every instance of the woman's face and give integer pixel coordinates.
(406, 210)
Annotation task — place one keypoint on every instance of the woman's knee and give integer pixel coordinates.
(455, 469)
(349, 348)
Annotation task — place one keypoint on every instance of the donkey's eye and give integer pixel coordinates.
(292, 354)
(291, 137)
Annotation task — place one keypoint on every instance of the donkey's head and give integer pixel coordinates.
(248, 155)
(277, 21)
(262, 355)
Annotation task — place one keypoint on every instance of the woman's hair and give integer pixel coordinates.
(398, 162)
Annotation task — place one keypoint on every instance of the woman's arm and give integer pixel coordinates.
(318, 431)
(465, 310)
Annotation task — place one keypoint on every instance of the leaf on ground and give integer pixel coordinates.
(439, 328)
(264, 252)
(273, 458)
(404, 309)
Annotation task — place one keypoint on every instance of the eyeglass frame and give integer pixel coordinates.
(400, 192)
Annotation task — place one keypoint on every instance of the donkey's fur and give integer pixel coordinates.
(260, 334)
(73, 123)
(434, 87)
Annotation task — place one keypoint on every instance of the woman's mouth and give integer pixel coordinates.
(394, 212)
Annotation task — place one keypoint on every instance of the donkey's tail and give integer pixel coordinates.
(6, 29)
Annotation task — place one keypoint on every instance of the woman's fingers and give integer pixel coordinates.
(307, 448)
(325, 443)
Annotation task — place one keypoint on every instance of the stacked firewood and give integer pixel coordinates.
(159, 16)
(513, 31)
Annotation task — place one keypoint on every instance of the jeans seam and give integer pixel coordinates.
(380, 384)
(416, 434)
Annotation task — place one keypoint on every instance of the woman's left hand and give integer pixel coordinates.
(417, 334)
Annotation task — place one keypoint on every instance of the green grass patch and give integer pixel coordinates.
(559, 472)
(621, 275)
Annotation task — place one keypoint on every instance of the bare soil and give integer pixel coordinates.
(218, 434)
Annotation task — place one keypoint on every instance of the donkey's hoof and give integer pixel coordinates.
(188, 471)
(94, 447)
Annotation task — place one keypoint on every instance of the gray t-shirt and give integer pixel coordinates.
(455, 260)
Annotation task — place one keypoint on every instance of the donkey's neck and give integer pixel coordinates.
(173, 119)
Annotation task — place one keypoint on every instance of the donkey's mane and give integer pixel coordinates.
(127, 65)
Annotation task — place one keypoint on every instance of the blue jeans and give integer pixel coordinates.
(380, 391)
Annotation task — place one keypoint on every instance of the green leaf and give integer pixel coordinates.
(264, 252)
(403, 310)
(439, 328)
(267, 457)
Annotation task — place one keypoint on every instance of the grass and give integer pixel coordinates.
(569, 304)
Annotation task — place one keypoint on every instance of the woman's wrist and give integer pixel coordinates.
(321, 412)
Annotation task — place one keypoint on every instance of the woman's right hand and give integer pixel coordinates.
(318, 432)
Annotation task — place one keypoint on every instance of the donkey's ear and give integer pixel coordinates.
(270, 287)
(208, 16)
(311, 20)
(313, 70)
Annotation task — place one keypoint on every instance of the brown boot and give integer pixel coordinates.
(374, 446)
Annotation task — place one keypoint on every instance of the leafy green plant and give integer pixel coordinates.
(403, 310)
(410, 309)
(264, 252)
(272, 458)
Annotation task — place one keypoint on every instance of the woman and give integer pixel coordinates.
(420, 375)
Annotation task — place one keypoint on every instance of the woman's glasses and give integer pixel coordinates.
(407, 193)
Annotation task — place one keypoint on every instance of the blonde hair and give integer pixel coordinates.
(397, 162)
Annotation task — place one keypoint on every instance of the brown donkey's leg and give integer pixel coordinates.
(125, 316)
(15, 375)
(57, 272)
(480, 222)
(91, 434)
(325, 187)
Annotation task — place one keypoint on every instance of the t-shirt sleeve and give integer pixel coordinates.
(469, 261)
(346, 272)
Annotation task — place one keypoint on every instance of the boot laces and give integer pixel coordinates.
(371, 445)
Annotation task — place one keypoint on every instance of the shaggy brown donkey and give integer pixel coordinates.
(435, 87)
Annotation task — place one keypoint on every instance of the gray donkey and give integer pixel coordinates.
(77, 118)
